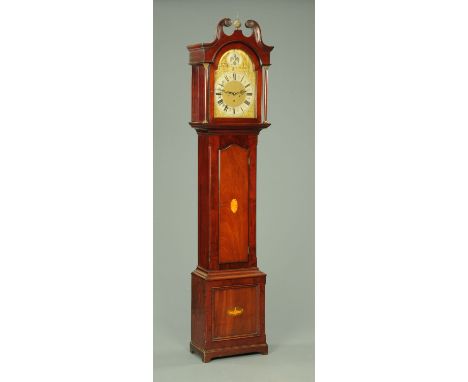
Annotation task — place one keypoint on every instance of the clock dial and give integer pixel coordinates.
(235, 86)
(234, 95)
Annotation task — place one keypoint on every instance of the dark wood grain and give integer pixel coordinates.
(198, 311)
(235, 312)
(203, 201)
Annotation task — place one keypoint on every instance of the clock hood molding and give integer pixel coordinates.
(206, 52)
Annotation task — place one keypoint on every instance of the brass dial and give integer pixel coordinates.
(235, 86)
(234, 94)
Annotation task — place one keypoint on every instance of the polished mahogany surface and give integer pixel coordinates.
(228, 313)
(235, 311)
(228, 290)
(233, 204)
(226, 171)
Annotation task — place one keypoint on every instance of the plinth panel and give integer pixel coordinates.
(235, 312)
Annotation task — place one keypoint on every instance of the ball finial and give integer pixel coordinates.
(237, 24)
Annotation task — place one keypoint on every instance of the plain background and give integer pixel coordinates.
(285, 190)
(76, 191)
(391, 191)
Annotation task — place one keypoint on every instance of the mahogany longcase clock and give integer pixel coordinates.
(229, 109)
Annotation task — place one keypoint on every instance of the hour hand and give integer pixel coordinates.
(225, 91)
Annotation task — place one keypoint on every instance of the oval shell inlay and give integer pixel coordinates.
(234, 206)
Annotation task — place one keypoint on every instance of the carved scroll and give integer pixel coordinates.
(226, 22)
(255, 29)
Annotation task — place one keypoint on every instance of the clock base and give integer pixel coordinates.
(228, 312)
(208, 355)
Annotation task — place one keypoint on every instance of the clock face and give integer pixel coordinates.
(234, 94)
(235, 86)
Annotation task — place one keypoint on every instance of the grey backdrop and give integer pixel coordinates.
(285, 190)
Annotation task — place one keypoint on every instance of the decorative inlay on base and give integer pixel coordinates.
(235, 312)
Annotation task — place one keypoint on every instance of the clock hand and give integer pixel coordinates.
(227, 92)
(232, 93)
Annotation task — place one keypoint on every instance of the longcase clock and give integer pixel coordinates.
(229, 109)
